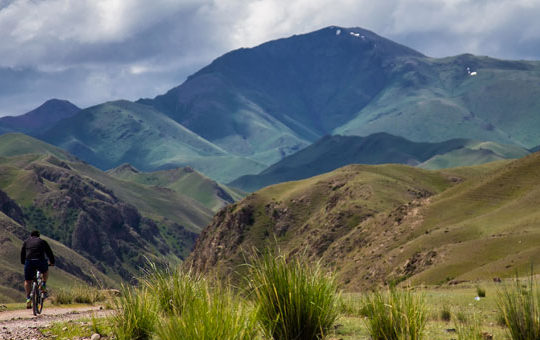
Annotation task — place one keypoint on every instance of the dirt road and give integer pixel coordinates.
(21, 324)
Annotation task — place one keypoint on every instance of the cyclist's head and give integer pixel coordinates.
(35, 233)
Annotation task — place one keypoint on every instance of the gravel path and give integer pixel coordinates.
(22, 324)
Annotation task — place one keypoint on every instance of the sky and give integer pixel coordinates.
(92, 51)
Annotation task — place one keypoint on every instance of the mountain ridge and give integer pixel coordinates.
(332, 152)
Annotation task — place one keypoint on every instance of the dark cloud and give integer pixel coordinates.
(89, 51)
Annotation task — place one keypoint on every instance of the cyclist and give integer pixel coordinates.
(33, 254)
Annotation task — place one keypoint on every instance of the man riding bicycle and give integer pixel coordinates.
(33, 254)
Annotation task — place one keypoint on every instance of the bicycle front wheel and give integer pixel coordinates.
(37, 301)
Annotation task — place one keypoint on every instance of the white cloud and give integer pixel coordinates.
(132, 48)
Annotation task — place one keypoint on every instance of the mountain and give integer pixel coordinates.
(113, 223)
(352, 81)
(70, 266)
(252, 107)
(535, 149)
(332, 152)
(40, 119)
(390, 223)
(269, 101)
(110, 134)
(185, 181)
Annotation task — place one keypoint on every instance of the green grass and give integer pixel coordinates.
(519, 305)
(215, 313)
(82, 328)
(295, 299)
(135, 316)
(79, 294)
(395, 314)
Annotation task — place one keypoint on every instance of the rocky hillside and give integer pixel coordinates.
(390, 223)
(70, 268)
(114, 224)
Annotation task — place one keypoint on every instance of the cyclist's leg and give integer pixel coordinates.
(44, 269)
(29, 274)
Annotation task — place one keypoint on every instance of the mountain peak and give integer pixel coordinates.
(41, 118)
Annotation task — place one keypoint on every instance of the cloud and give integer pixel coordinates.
(89, 51)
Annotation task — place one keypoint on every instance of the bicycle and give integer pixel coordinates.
(37, 295)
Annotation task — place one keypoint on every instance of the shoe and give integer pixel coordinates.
(28, 303)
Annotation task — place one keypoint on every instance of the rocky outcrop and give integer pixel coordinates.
(10, 208)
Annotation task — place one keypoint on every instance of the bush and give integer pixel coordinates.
(215, 313)
(395, 314)
(520, 309)
(294, 300)
(480, 292)
(135, 316)
(445, 314)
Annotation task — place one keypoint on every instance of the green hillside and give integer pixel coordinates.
(114, 223)
(114, 133)
(431, 99)
(332, 152)
(14, 144)
(185, 181)
(390, 223)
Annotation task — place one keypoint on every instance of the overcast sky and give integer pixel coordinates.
(91, 51)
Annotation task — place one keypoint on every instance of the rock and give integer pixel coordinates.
(95, 336)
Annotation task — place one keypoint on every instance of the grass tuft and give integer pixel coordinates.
(135, 315)
(395, 315)
(172, 288)
(215, 313)
(294, 299)
(519, 306)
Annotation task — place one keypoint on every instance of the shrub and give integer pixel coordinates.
(520, 309)
(395, 314)
(445, 314)
(480, 292)
(215, 313)
(135, 316)
(295, 299)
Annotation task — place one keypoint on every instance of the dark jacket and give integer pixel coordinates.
(35, 248)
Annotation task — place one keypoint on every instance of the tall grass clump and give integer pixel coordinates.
(215, 313)
(79, 294)
(468, 327)
(519, 306)
(395, 315)
(172, 288)
(294, 299)
(135, 316)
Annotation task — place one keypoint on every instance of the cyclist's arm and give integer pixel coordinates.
(23, 253)
(49, 253)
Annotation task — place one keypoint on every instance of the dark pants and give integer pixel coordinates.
(31, 266)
